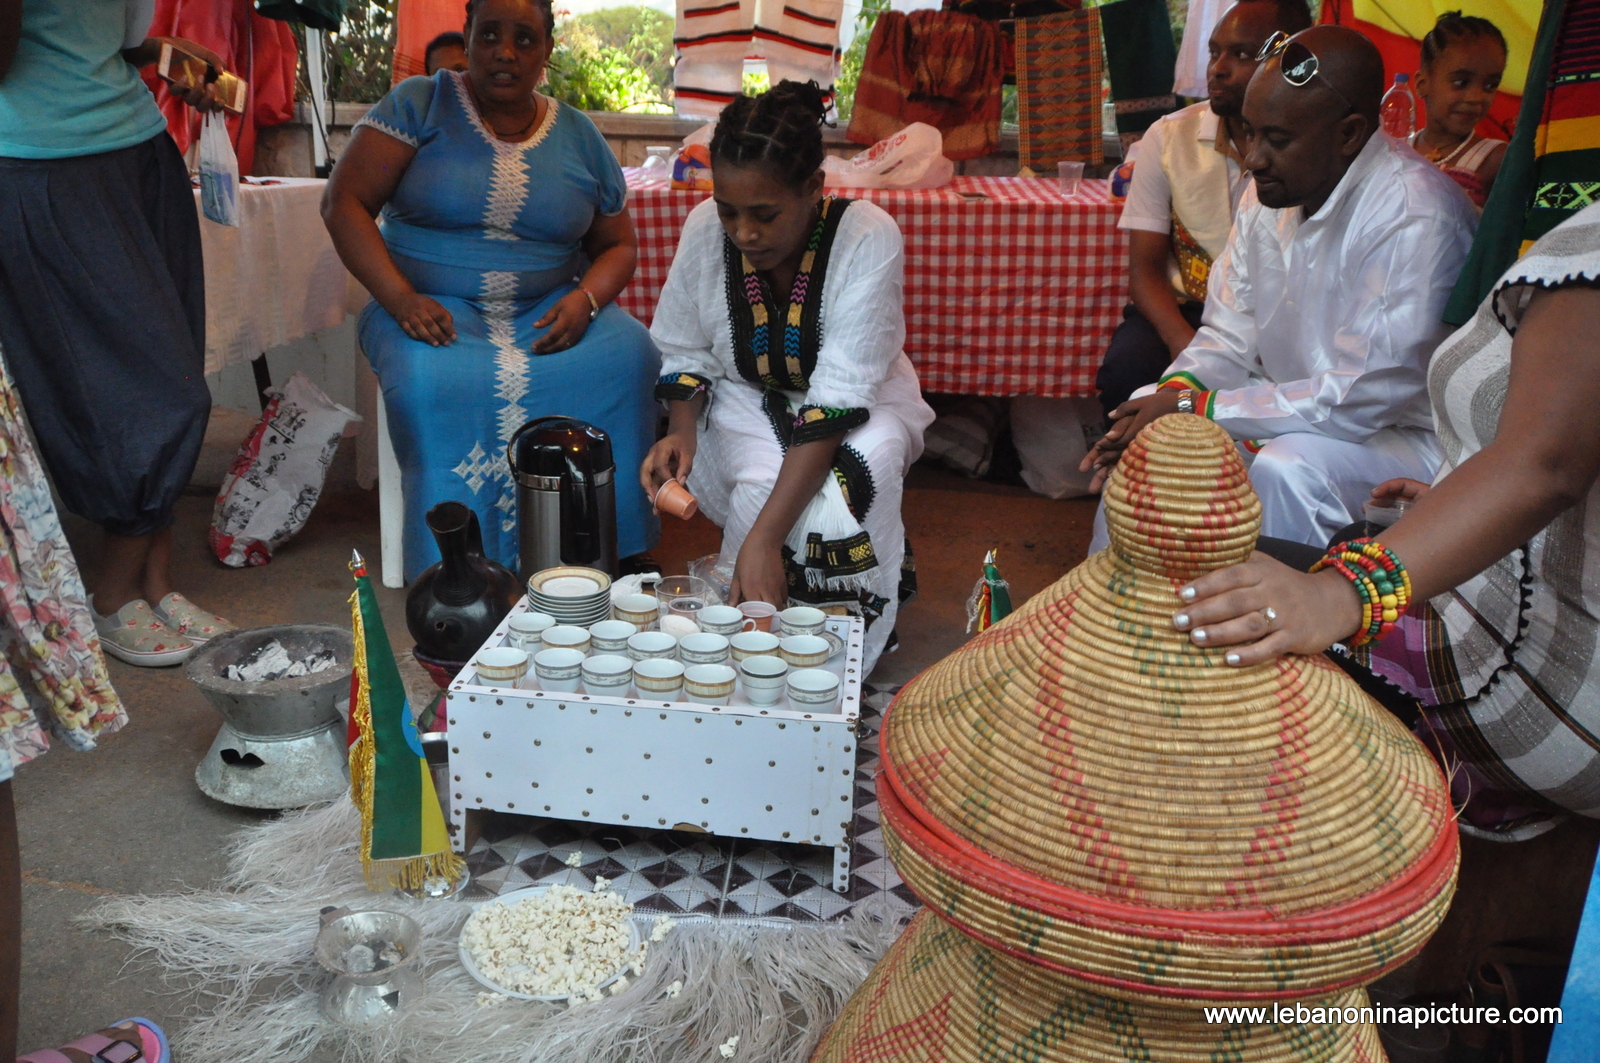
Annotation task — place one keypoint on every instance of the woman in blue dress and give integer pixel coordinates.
(489, 222)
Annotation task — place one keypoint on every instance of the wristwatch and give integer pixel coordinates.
(1186, 400)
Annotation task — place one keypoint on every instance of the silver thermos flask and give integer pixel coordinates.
(566, 495)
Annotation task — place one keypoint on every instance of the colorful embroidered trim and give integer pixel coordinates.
(820, 422)
(1380, 580)
(1181, 380)
(781, 351)
(849, 467)
(1194, 263)
(680, 387)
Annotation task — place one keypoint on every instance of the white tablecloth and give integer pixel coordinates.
(273, 279)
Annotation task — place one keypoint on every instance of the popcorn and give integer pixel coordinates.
(489, 1000)
(601, 883)
(564, 943)
(574, 859)
(659, 930)
(674, 989)
(620, 986)
(727, 1047)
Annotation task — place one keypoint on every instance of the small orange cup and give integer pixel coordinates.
(675, 500)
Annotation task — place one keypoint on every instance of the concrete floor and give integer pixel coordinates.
(128, 818)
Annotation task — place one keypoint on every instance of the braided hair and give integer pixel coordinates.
(1454, 26)
(544, 7)
(780, 129)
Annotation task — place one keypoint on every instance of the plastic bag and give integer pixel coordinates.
(277, 477)
(219, 172)
(912, 158)
(1052, 436)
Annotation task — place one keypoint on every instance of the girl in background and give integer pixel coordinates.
(1463, 59)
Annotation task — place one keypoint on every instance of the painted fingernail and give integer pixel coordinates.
(1187, 594)
(1180, 621)
(1232, 658)
(1199, 634)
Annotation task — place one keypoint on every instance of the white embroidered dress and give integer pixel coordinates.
(860, 365)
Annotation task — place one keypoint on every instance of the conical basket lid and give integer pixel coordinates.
(1084, 786)
(938, 996)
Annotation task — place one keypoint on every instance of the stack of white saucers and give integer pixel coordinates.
(573, 595)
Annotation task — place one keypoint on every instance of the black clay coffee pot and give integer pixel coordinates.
(455, 605)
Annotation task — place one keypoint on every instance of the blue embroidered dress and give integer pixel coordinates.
(492, 230)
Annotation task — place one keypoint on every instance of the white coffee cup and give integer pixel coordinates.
(611, 636)
(803, 620)
(640, 610)
(565, 637)
(813, 690)
(608, 674)
(724, 620)
(709, 684)
(658, 678)
(763, 679)
(558, 669)
(677, 626)
(503, 665)
(647, 645)
(748, 644)
(703, 648)
(804, 651)
(524, 629)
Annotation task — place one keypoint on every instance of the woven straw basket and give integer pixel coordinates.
(940, 997)
(1084, 788)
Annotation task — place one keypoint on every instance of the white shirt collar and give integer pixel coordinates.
(1371, 152)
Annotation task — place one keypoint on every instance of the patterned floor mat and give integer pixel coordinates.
(679, 873)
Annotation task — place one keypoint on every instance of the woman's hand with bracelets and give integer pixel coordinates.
(1266, 609)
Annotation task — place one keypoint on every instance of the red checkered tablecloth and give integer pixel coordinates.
(1011, 288)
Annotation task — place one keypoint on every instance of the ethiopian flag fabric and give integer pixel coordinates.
(403, 837)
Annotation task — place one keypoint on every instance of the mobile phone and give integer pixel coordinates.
(118, 1052)
(186, 70)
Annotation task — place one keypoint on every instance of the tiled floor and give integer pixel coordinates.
(693, 874)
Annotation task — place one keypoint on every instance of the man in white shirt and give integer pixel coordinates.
(1323, 311)
(1187, 180)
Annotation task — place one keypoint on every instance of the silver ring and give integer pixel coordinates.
(1271, 614)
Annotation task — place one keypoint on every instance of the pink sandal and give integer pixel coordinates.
(129, 1041)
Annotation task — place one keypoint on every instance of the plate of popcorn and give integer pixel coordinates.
(552, 943)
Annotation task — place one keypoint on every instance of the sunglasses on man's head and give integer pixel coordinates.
(1297, 63)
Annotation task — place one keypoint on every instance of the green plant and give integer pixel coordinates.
(755, 82)
(643, 34)
(855, 55)
(594, 76)
(359, 57)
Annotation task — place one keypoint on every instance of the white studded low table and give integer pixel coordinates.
(735, 770)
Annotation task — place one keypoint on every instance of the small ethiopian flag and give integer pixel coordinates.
(991, 597)
(403, 837)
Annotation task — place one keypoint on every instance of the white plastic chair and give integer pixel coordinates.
(391, 505)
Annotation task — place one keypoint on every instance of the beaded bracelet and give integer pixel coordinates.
(1380, 580)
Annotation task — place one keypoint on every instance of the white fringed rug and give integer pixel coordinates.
(243, 954)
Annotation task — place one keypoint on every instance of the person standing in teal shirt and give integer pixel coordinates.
(102, 298)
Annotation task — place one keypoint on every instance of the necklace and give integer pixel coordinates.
(1445, 155)
(519, 132)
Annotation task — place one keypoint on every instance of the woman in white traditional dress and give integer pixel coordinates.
(793, 417)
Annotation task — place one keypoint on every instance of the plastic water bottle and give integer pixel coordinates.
(1398, 111)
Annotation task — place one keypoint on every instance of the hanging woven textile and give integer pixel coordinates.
(416, 22)
(1140, 60)
(1059, 67)
(1112, 829)
(1552, 168)
(800, 40)
(712, 38)
(939, 67)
